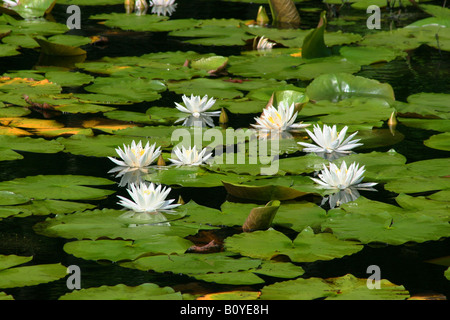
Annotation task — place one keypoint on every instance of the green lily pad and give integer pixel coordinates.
(336, 87)
(7, 50)
(347, 287)
(38, 145)
(12, 275)
(427, 105)
(219, 88)
(68, 79)
(276, 188)
(418, 184)
(383, 227)
(134, 90)
(193, 177)
(22, 86)
(119, 250)
(8, 198)
(29, 9)
(146, 291)
(195, 263)
(103, 145)
(108, 223)
(408, 38)
(306, 247)
(214, 33)
(62, 187)
(369, 55)
(442, 125)
(439, 141)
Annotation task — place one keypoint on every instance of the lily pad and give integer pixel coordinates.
(336, 87)
(439, 141)
(146, 291)
(119, 250)
(347, 287)
(38, 145)
(103, 145)
(43, 207)
(62, 187)
(383, 227)
(12, 275)
(133, 90)
(306, 247)
(195, 263)
(109, 224)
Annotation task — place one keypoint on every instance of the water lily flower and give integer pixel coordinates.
(190, 156)
(343, 177)
(329, 140)
(11, 3)
(264, 44)
(136, 155)
(197, 106)
(148, 199)
(281, 119)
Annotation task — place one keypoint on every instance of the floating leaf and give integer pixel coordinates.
(118, 250)
(347, 287)
(383, 227)
(37, 145)
(336, 87)
(439, 141)
(63, 187)
(12, 276)
(195, 263)
(133, 90)
(146, 291)
(306, 247)
(109, 223)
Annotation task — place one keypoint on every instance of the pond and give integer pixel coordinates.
(283, 208)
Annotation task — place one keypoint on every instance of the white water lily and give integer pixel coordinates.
(190, 156)
(197, 106)
(148, 199)
(11, 3)
(281, 119)
(264, 44)
(329, 140)
(343, 177)
(137, 156)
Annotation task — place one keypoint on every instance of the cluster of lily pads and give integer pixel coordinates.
(318, 166)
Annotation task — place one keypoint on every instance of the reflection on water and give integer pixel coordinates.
(133, 175)
(137, 219)
(343, 196)
(197, 121)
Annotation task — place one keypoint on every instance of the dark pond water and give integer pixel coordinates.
(425, 70)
